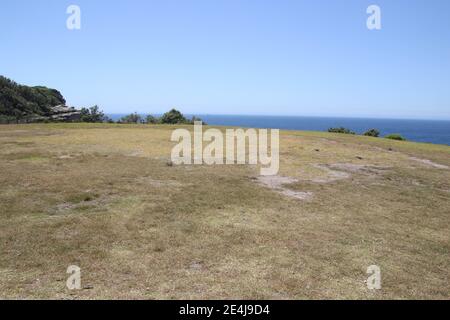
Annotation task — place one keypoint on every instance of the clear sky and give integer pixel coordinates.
(276, 57)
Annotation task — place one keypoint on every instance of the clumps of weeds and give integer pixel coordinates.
(82, 197)
(81, 202)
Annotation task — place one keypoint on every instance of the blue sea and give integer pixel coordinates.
(430, 131)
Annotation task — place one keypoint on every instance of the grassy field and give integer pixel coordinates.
(103, 197)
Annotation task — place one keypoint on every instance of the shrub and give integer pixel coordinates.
(173, 117)
(151, 119)
(93, 114)
(372, 133)
(395, 136)
(131, 118)
(341, 130)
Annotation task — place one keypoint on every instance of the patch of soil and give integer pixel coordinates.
(93, 203)
(429, 163)
(332, 175)
(301, 195)
(340, 171)
(358, 168)
(137, 153)
(275, 182)
(278, 183)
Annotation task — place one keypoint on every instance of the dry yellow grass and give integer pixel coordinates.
(103, 197)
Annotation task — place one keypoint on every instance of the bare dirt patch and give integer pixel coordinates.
(136, 153)
(340, 171)
(358, 168)
(332, 175)
(81, 203)
(429, 163)
(278, 183)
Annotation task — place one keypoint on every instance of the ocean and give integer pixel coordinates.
(430, 131)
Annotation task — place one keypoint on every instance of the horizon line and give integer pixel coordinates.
(289, 115)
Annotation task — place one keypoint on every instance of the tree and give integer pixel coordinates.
(93, 114)
(372, 133)
(131, 118)
(173, 117)
(151, 119)
(22, 102)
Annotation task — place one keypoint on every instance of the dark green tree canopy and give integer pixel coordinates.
(173, 117)
(21, 101)
(93, 114)
(151, 119)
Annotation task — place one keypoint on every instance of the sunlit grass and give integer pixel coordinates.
(102, 196)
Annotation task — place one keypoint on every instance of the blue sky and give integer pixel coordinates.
(235, 56)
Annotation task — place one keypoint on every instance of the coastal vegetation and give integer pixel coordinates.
(25, 104)
(341, 130)
(93, 115)
(19, 102)
(395, 136)
(171, 117)
(151, 119)
(131, 118)
(369, 133)
(372, 133)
